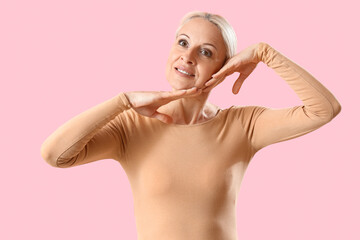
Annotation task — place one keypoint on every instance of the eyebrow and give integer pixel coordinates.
(204, 43)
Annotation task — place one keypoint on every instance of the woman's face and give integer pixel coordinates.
(199, 50)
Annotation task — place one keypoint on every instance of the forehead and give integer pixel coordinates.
(199, 29)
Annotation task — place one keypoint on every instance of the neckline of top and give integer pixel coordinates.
(218, 113)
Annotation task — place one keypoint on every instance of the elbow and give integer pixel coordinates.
(330, 109)
(331, 113)
(336, 109)
(48, 156)
(54, 159)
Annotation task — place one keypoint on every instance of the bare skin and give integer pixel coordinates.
(206, 64)
(147, 103)
(192, 53)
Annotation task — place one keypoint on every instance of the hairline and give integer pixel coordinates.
(225, 36)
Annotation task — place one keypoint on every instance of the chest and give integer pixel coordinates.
(187, 161)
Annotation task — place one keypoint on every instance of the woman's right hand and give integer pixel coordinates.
(147, 102)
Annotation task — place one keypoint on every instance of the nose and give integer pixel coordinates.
(188, 56)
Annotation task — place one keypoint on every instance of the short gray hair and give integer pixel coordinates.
(225, 28)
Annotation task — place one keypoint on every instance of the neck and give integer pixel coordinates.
(189, 110)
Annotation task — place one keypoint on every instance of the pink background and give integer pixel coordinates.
(59, 58)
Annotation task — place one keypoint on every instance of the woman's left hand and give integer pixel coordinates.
(244, 62)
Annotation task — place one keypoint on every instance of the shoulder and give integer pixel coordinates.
(235, 109)
(133, 121)
(244, 113)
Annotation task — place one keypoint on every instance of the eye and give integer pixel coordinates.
(206, 52)
(182, 42)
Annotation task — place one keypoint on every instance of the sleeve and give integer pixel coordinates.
(92, 135)
(319, 107)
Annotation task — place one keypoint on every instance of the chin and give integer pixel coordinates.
(178, 85)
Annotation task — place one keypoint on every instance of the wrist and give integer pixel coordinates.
(125, 100)
(260, 51)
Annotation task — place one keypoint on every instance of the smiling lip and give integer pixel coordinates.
(183, 74)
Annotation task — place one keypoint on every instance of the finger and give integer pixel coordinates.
(219, 76)
(215, 80)
(178, 93)
(197, 92)
(217, 83)
(189, 92)
(226, 70)
(181, 92)
(192, 92)
(162, 117)
(209, 88)
(211, 81)
(238, 83)
(220, 80)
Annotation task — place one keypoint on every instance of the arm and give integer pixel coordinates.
(92, 135)
(276, 125)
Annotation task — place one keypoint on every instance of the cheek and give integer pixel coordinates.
(208, 71)
(204, 75)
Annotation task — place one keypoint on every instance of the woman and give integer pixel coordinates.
(185, 157)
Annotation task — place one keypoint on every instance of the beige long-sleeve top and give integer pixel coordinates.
(185, 178)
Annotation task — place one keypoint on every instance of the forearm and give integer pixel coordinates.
(71, 137)
(318, 100)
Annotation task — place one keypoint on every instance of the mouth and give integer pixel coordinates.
(184, 73)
